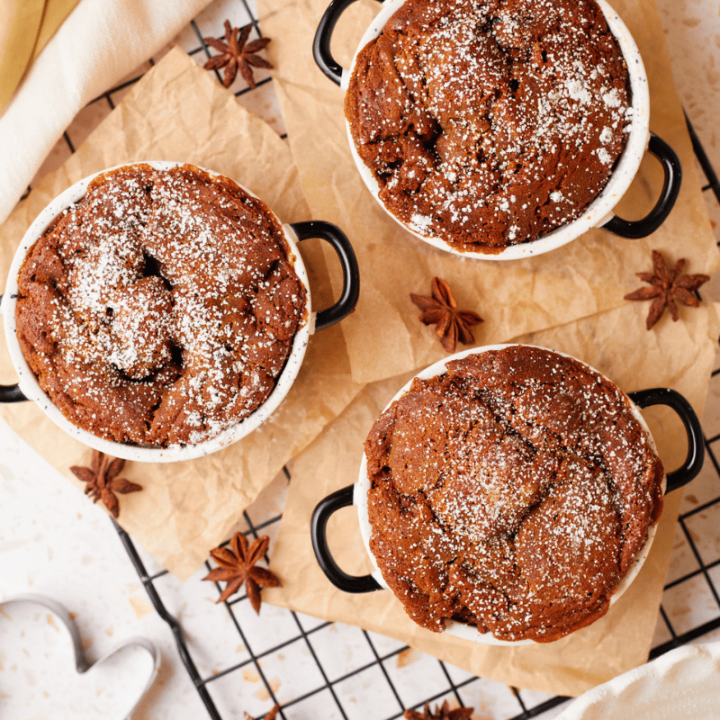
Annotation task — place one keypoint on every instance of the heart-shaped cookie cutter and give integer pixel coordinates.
(82, 664)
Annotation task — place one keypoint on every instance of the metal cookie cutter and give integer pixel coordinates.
(81, 662)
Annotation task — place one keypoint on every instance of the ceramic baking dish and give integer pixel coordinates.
(29, 389)
(357, 495)
(599, 212)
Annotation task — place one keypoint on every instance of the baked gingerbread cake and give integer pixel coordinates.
(512, 492)
(160, 309)
(489, 124)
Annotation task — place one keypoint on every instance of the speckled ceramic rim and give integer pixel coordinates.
(600, 210)
(362, 487)
(33, 391)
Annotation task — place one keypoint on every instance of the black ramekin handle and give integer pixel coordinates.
(321, 44)
(318, 532)
(696, 447)
(10, 393)
(351, 274)
(635, 229)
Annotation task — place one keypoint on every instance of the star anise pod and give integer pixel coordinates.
(103, 481)
(667, 288)
(237, 53)
(237, 566)
(442, 310)
(272, 714)
(441, 713)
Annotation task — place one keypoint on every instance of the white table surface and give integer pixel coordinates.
(54, 541)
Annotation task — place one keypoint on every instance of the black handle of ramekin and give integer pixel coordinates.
(321, 44)
(10, 393)
(318, 532)
(635, 229)
(696, 447)
(351, 274)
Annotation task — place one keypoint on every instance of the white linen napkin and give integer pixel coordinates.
(684, 684)
(99, 43)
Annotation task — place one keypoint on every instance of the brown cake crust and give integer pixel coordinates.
(160, 309)
(490, 124)
(512, 492)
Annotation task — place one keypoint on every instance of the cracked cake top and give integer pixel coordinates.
(160, 308)
(512, 492)
(490, 123)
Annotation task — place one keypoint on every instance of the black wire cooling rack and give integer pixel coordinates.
(697, 576)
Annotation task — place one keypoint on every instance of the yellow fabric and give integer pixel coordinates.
(28, 26)
(55, 13)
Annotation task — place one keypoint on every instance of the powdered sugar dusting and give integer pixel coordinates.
(458, 106)
(169, 306)
(511, 492)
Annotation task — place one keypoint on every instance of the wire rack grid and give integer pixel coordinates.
(350, 673)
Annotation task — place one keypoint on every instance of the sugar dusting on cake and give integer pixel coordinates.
(161, 308)
(459, 105)
(511, 493)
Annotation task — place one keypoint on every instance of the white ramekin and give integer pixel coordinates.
(362, 487)
(599, 212)
(31, 389)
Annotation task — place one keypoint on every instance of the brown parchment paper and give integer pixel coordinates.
(678, 355)
(589, 275)
(179, 112)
